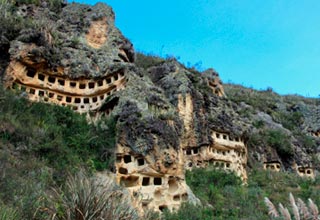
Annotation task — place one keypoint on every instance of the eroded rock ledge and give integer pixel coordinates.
(169, 118)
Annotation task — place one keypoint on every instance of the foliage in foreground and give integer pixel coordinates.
(224, 197)
(39, 145)
(86, 198)
(299, 210)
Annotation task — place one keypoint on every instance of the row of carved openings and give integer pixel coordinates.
(73, 84)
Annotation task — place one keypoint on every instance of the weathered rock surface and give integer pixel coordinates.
(169, 118)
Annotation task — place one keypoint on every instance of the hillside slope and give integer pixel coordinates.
(150, 119)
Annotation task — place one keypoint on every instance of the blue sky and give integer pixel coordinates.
(256, 43)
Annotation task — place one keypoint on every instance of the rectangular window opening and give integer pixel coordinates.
(51, 79)
(91, 85)
(32, 91)
(68, 99)
(77, 100)
(31, 73)
(41, 93)
(82, 86)
(73, 84)
(41, 77)
(157, 181)
(145, 181)
(140, 162)
(61, 82)
(100, 83)
(127, 159)
(86, 100)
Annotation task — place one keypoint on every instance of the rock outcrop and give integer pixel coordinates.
(170, 118)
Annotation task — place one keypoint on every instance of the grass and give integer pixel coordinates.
(224, 197)
(40, 144)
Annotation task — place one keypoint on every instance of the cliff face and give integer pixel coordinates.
(74, 58)
(169, 118)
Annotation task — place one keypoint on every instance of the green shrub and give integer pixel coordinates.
(289, 120)
(226, 195)
(40, 144)
(89, 198)
(189, 212)
(7, 213)
(280, 141)
(147, 60)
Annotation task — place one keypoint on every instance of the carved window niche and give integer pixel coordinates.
(51, 79)
(77, 100)
(23, 88)
(73, 84)
(32, 91)
(41, 77)
(82, 86)
(61, 82)
(195, 151)
(86, 100)
(127, 159)
(31, 73)
(123, 171)
(188, 152)
(184, 196)
(51, 95)
(162, 208)
(140, 161)
(145, 181)
(68, 99)
(91, 85)
(108, 80)
(41, 93)
(100, 83)
(157, 181)
(176, 198)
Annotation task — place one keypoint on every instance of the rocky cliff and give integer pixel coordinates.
(170, 118)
